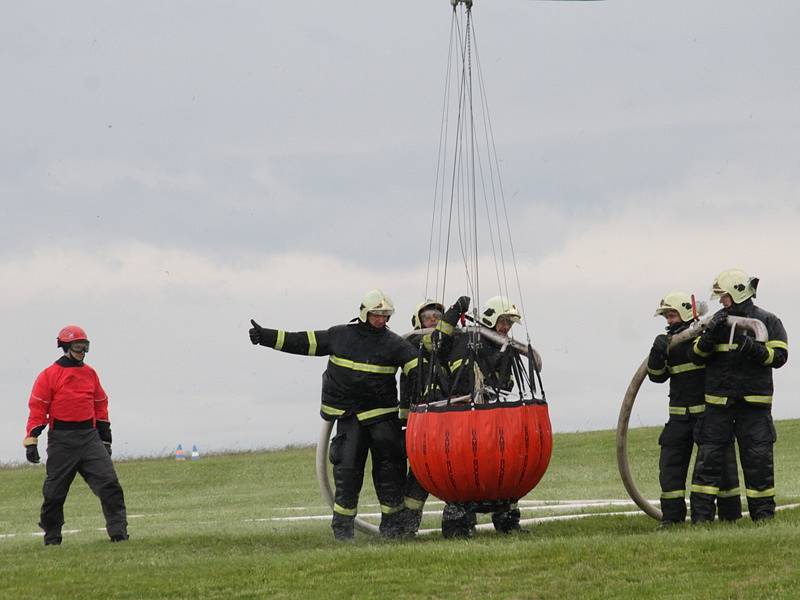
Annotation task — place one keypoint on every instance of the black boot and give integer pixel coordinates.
(457, 522)
(393, 525)
(506, 521)
(410, 522)
(667, 524)
(703, 508)
(729, 509)
(52, 537)
(343, 527)
(761, 509)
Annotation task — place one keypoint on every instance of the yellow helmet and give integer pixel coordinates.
(680, 301)
(496, 307)
(375, 301)
(735, 282)
(416, 319)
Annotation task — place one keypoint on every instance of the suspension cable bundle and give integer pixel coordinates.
(491, 446)
(469, 202)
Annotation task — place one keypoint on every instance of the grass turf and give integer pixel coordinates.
(203, 530)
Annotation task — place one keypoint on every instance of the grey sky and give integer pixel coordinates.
(168, 171)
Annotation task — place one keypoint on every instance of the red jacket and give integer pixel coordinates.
(67, 391)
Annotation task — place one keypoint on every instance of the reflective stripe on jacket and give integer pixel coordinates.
(686, 379)
(362, 365)
(731, 375)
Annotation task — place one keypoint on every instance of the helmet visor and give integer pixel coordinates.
(430, 313)
(717, 292)
(382, 312)
(80, 346)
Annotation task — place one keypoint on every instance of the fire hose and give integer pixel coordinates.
(327, 427)
(759, 331)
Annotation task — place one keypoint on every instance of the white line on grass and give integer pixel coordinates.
(526, 505)
(627, 513)
(596, 501)
(531, 521)
(482, 526)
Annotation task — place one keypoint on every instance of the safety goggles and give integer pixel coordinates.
(382, 312)
(79, 346)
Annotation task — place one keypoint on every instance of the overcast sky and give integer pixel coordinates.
(170, 170)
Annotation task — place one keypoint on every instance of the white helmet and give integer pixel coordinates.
(735, 282)
(496, 307)
(427, 304)
(375, 301)
(679, 301)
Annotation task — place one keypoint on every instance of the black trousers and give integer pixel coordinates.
(70, 452)
(752, 427)
(415, 494)
(677, 441)
(348, 454)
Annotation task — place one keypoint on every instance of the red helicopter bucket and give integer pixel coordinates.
(479, 452)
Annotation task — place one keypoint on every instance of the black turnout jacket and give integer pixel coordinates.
(731, 374)
(363, 361)
(686, 379)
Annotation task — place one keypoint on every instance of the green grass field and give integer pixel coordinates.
(205, 529)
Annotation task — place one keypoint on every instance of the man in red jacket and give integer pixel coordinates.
(67, 397)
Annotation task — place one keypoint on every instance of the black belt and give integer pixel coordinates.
(72, 425)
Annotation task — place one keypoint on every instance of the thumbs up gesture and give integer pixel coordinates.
(255, 333)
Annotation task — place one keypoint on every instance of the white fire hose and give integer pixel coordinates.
(759, 331)
(327, 426)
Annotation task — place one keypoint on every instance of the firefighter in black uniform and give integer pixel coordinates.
(359, 392)
(738, 398)
(686, 408)
(493, 367)
(428, 314)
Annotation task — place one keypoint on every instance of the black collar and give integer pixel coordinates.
(68, 362)
(677, 328)
(742, 309)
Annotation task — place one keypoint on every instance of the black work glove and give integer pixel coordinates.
(751, 349)
(708, 337)
(255, 333)
(462, 304)
(108, 447)
(104, 431)
(660, 345)
(717, 321)
(32, 453)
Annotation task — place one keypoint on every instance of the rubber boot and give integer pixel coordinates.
(761, 509)
(703, 508)
(52, 537)
(411, 522)
(729, 509)
(343, 527)
(457, 522)
(506, 521)
(391, 524)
